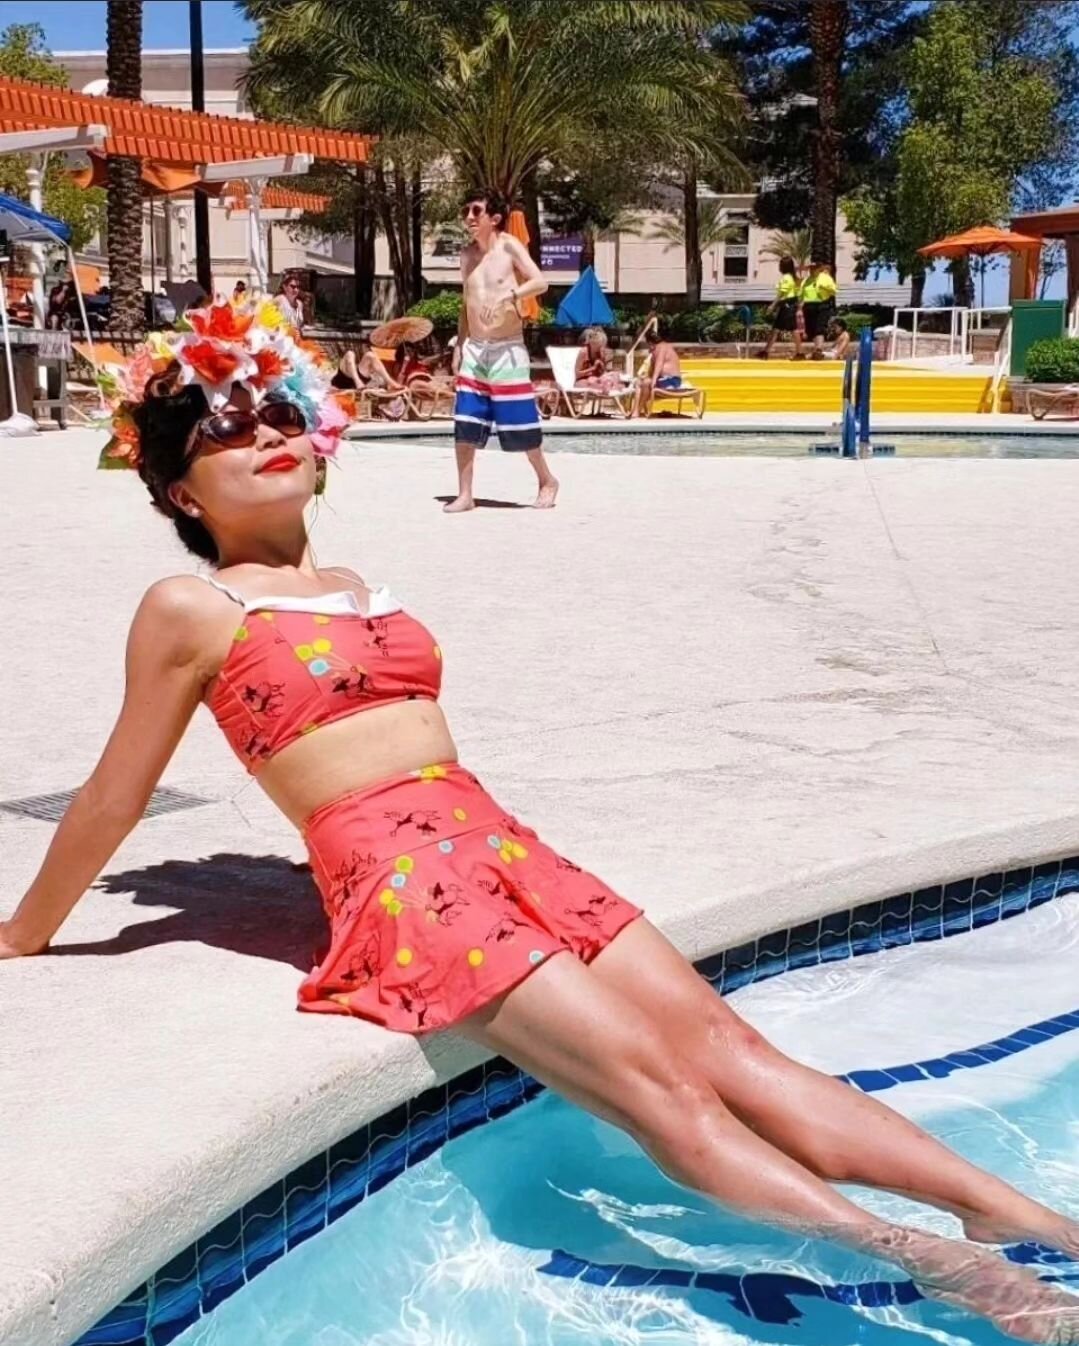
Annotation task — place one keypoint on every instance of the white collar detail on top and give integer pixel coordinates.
(340, 603)
(343, 603)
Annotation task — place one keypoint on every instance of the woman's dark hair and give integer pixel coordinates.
(493, 202)
(166, 419)
(787, 267)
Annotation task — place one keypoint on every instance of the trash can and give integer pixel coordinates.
(1033, 320)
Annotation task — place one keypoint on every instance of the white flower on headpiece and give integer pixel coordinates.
(214, 365)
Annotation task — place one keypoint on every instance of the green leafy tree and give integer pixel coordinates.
(818, 78)
(982, 115)
(24, 55)
(505, 88)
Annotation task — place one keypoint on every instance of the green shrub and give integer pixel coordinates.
(444, 309)
(1054, 361)
(856, 322)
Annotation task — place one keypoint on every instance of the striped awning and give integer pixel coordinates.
(170, 135)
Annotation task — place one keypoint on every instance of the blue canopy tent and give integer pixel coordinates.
(23, 224)
(585, 305)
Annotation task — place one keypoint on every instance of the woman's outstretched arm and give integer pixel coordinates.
(166, 668)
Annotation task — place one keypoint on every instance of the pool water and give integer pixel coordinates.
(711, 443)
(546, 1226)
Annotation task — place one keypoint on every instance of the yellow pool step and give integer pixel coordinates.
(785, 385)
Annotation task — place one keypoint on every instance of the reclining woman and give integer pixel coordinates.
(445, 911)
(370, 375)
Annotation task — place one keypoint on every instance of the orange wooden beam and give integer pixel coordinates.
(170, 135)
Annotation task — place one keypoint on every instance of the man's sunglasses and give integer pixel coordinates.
(474, 211)
(239, 429)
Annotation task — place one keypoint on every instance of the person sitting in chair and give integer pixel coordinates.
(662, 370)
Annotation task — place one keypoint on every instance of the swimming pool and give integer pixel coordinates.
(534, 1223)
(709, 442)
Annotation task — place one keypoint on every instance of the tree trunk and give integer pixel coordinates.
(530, 206)
(403, 217)
(416, 222)
(363, 247)
(917, 287)
(389, 227)
(123, 64)
(588, 249)
(828, 23)
(962, 282)
(694, 273)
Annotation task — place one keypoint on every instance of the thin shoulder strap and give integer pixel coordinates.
(224, 588)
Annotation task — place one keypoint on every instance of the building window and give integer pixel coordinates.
(736, 255)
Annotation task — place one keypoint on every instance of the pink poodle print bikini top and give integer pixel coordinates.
(297, 664)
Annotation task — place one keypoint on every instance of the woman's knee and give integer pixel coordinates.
(661, 1090)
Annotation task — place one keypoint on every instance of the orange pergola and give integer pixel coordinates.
(170, 135)
(1062, 223)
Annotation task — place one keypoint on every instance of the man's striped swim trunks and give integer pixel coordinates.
(494, 392)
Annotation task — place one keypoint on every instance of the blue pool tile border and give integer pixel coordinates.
(305, 1201)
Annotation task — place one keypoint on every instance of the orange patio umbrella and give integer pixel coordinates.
(517, 227)
(982, 241)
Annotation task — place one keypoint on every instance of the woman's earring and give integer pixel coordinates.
(194, 511)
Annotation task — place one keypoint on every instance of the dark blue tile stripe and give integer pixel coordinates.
(320, 1191)
(940, 1067)
(766, 1296)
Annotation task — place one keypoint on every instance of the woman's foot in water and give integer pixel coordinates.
(975, 1279)
(1045, 1227)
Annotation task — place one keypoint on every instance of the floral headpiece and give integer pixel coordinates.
(215, 348)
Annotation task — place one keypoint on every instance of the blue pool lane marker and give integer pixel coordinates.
(767, 1296)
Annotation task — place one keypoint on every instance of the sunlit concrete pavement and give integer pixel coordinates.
(745, 691)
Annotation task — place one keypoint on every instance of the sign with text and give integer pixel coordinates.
(561, 253)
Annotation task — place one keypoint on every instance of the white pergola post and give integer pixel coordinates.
(255, 173)
(34, 174)
(183, 217)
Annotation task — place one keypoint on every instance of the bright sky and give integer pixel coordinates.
(79, 25)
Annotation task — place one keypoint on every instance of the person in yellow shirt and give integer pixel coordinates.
(784, 308)
(818, 305)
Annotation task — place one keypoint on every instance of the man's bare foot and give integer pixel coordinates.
(1053, 1231)
(973, 1278)
(460, 505)
(548, 493)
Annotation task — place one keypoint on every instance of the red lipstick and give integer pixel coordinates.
(280, 462)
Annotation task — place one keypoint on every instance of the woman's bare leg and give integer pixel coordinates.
(595, 1046)
(837, 1132)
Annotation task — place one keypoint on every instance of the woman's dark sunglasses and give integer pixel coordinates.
(239, 429)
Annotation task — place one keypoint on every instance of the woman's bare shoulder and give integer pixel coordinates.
(186, 616)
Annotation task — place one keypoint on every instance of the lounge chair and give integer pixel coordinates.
(687, 393)
(583, 399)
(1041, 402)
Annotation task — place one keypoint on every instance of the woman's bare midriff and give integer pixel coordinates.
(351, 754)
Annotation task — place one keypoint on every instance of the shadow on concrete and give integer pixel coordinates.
(261, 905)
(483, 502)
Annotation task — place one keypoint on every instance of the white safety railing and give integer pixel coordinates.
(1001, 365)
(932, 326)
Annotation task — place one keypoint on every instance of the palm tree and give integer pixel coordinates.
(828, 23)
(124, 68)
(697, 231)
(712, 228)
(794, 243)
(503, 86)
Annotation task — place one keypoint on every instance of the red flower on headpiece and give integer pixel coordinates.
(221, 321)
(271, 365)
(211, 363)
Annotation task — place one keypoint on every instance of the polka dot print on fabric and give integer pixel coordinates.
(446, 847)
(536, 956)
(475, 958)
(404, 957)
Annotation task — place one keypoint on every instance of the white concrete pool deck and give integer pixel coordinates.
(746, 691)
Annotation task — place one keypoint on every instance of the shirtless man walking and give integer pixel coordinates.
(494, 381)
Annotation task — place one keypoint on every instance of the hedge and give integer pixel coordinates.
(1054, 361)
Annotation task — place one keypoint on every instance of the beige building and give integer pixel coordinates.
(629, 263)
